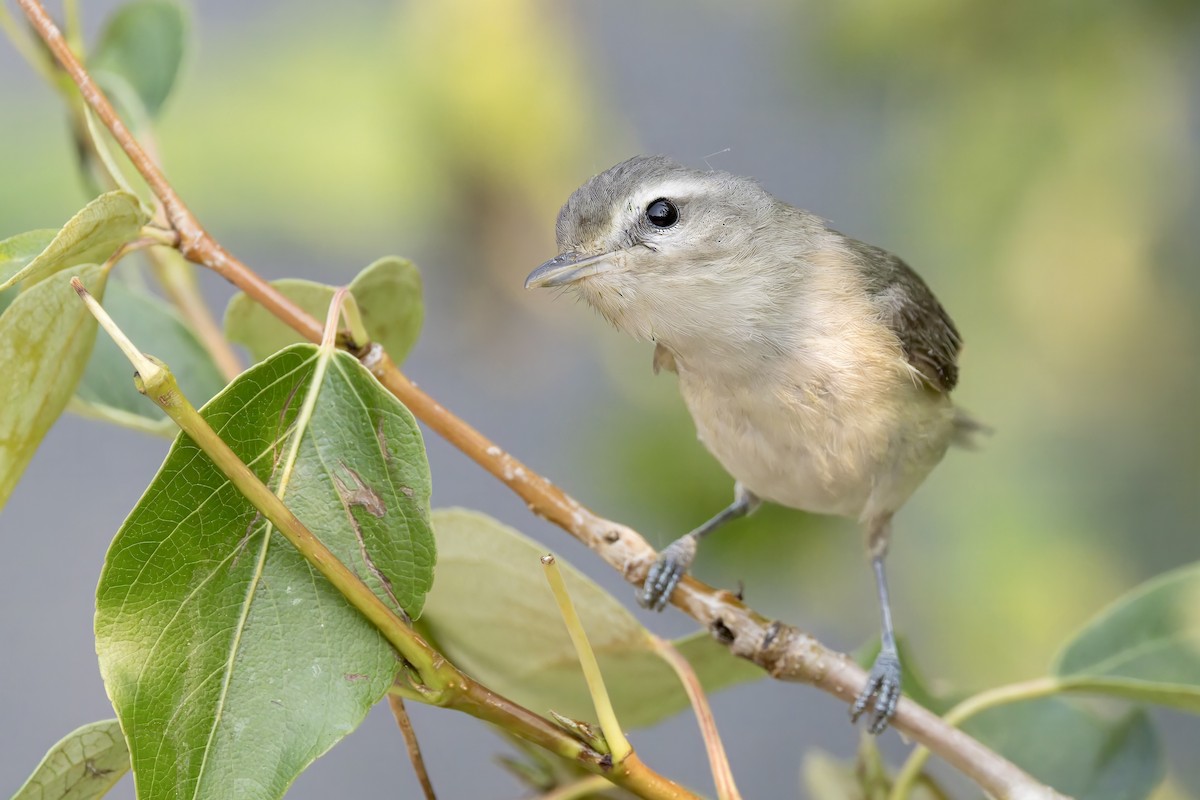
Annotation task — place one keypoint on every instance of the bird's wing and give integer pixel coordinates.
(930, 340)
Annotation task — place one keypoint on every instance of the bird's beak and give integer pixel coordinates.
(568, 268)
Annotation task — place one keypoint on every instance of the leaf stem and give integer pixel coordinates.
(324, 354)
(354, 321)
(141, 363)
(337, 305)
(717, 759)
(617, 743)
(907, 777)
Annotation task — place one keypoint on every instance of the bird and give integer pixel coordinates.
(817, 368)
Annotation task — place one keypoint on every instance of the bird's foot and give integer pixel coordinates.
(668, 570)
(882, 692)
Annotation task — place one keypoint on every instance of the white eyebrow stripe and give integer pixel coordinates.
(673, 188)
(676, 187)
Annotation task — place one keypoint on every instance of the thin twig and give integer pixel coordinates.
(183, 292)
(784, 651)
(194, 242)
(414, 748)
(722, 773)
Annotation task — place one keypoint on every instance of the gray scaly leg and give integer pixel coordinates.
(882, 692)
(674, 560)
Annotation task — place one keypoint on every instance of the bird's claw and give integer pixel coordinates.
(664, 576)
(882, 692)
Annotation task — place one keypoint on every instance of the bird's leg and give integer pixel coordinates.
(882, 692)
(674, 560)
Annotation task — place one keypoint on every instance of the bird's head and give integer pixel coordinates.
(670, 253)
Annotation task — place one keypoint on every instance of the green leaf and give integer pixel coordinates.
(1145, 646)
(249, 324)
(17, 251)
(492, 614)
(143, 45)
(866, 778)
(829, 779)
(83, 765)
(388, 294)
(91, 236)
(391, 304)
(1077, 751)
(45, 338)
(231, 663)
(107, 389)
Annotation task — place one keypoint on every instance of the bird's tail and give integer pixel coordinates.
(967, 430)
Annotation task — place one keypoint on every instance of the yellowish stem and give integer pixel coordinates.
(618, 745)
(354, 321)
(909, 775)
(144, 366)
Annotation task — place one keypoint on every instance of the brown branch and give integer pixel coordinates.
(414, 747)
(785, 652)
(180, 288)
(631, 773)
(193, 241)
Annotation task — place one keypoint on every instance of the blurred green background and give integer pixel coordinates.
(1035, 161)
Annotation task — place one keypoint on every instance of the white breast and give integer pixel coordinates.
(853, 438)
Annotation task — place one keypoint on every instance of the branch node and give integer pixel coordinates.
(721, 632)
(373, 356)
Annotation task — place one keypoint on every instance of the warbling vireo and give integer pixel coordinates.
(817, 368)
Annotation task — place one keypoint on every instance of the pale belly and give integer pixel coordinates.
(828, 453)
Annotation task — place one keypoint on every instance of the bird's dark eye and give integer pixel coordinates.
(662, 213)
